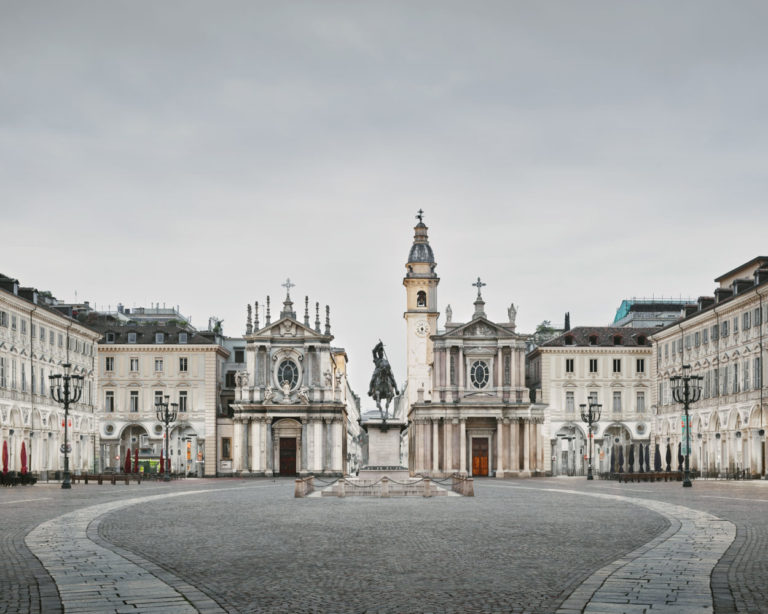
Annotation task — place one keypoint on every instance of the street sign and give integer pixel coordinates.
(69, 448)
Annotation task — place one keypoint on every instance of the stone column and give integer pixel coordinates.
(237, 445)
(328, 445)
(460, 369)
(448, 445)
(499, 448)
(255, 445)
(526, 446)
(463, 446)
(270, 453)
(304, 465)
(435, 445)
(338, 446)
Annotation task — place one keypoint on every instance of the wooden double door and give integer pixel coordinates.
(287, 456)
(479, 456)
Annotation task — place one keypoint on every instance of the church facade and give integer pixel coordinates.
(294, 412)
(468, 408)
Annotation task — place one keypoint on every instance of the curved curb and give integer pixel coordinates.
(95, 577)
(669, 574)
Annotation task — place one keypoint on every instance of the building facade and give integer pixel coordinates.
(140, 364)
(294, 411)
(606, 365)
(36, 341)
(723, 340)
(469, 410)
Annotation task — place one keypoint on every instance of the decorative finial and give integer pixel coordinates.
(317, 317)
(269, 317)
(479, 284)
(327, 320)
(420, 216)
(248, 321)
(256, 317)
(448, 314)
(288, 285)
(306, 311)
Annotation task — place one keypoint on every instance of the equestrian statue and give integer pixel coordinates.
(383, 386)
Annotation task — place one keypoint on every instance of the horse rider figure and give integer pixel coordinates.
(383, 385)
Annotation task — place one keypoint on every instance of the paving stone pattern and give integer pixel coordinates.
(264, 551)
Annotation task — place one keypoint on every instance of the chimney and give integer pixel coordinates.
(567, 326)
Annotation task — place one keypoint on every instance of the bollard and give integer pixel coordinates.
(427, 492)
(385, 486)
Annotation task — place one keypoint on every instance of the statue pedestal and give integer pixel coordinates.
(383, 449)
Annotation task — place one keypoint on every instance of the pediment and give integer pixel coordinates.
(481, 328)
(288, 328)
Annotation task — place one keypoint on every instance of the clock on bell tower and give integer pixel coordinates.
(421, 312)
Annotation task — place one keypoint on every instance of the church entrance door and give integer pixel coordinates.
(287, 456)
(479, 456)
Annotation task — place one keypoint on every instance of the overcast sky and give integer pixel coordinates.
(572, 154)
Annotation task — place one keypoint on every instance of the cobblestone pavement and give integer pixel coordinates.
(519, 545)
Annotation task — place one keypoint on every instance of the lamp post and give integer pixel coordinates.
(686, 389)
(166, 416)
(590, 414)
(66, 389)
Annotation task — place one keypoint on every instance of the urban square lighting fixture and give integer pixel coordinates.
(66, 389)
(166, 416)
(686, 389)
(590, 415)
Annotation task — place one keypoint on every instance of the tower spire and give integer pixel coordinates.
(306, 311)
(317, 317)
(479, 302)
(248, 324)
(256, 317)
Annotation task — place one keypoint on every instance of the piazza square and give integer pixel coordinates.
(383, 307)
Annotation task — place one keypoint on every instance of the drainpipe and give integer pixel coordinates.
(31, 381)
(762, 385)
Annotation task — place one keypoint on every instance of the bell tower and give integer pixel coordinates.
(421, 312)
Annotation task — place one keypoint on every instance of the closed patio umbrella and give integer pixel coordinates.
(680, 457)
(621, 459)
(5, 457)
(657, 458)
(136, 460)
(127, 464)
(669, 458)
(648, 457)
(631, 458)
(162, 467)
(640, 456)
(613, 459)
(23, 458)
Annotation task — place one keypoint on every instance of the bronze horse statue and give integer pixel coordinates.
(383, 386)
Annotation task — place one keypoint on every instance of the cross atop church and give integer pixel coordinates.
(420, 216)
(288, 285)
(479, 284)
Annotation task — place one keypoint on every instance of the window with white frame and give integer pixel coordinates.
(640, 365)
(746, 321)
(746, 374)
(757, 373)
(3, 382)
(4, 319)
(13, 321)
(183, 364)
(109, 337)
(158, 365)
(158, 398)
(131, 337)
(617, 365)
(109, 363)
(61, 340)
(42, 380)
(23, 326)
(182, 400)
(593, 365)
(616, 401)
(42, 334)
(134, 364)
(13, 374)
(109, 401)
(592, 398)
(640, 401)
(735, 386)
(569, 365)
(134, 399)
(183, 337)
(159, 337)
(570, 404)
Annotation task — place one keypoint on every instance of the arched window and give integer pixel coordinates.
(421, 299)
(288, 372)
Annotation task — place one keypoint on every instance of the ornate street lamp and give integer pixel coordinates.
(166, 416)
(590, 414)
(686, 389)
(66, 389)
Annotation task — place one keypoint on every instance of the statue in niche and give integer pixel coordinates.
(269, 394)
(303, 394)
(512, 312)
(328, 379)
(383, 386)
(448, 314)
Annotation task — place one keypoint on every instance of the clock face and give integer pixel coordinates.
(422, 328)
